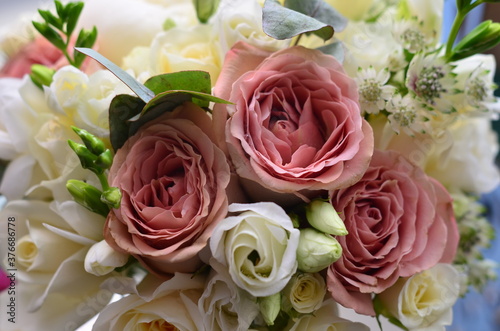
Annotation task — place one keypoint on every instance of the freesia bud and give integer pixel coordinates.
(205, 9)
(316, 250)
(95, 145)
(87, 159)
(41, 75)
(482, 38)
(323, 217)
(104, 160)
(88, 196)
(270, 307)
(112, 197)
(101, 259)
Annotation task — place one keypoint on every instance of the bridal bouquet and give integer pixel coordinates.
(244, 165)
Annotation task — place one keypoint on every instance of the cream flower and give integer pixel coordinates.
(425, 300)
(304, 293)
(223, 305)
(168, 305)
(101, 259)
(50, 252)
(180, 49)
(258, 245)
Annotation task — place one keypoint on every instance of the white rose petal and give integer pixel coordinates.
(258, 246)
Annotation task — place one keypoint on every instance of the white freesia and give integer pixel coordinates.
(223, 305)
(304, 293)
(324, 319)
(157, 305)
(101, 259)
(126, 24)
(50, 251)
(85, 99)
(465, 161)
(424, 301)
(241, 20)
(258, 245)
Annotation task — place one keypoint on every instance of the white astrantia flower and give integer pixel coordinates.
(410, 35)
(373, 91)
(258, 245)
(431, 79)
(425, 300)
(405, 114)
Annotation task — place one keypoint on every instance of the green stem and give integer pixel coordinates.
(457, 24)
(104, 181)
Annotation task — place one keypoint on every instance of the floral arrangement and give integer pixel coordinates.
(244, 165)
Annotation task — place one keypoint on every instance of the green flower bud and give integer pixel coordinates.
(87, 159)
(88, 196)
(482, 38)
(94, 144)
(105, 160)
(205, 9)
(41, 75)
(112, 197)
(270, 307)
(323, 217)
(316, 250)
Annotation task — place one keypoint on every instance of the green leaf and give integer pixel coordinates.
(335, 49)
(282, 23)
(50, 34)
(122, 108)
(61, 10)
(205, 9)
(74, 12)
(196, 81)
(319, 10)
(51, 18)
(482, 38)
(140, 90)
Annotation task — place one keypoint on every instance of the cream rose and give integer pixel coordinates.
(223, 305)
(304, 293)
(258, 245)
(168, 305)
(425, 300)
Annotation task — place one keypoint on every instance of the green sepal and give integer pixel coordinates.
(88, 196)
(205, 9)
(112, 197)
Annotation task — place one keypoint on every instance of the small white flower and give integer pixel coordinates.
(373, 91)
(431, 80)
(405, 115)
(479, 89)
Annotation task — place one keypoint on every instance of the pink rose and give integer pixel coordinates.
(400, 222)
(295, 124)
(39, 51)
(4, 281)
(173, 179)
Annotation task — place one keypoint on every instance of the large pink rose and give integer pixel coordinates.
(295, 123)
(173, 179)
(400, 222)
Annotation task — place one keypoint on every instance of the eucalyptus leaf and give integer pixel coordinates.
(140, 90)
(319, 10)
(122, 108)
(335, 49)
(283, 23)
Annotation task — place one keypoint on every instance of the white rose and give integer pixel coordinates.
(223, 305)
(469, 164)
(258, 246)
(101, 259)
(304, 292)
(179, 49)
(119, 35)
(324, 319)
(50, 251)
(425, 300)
(171, 305)
(241, 20)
